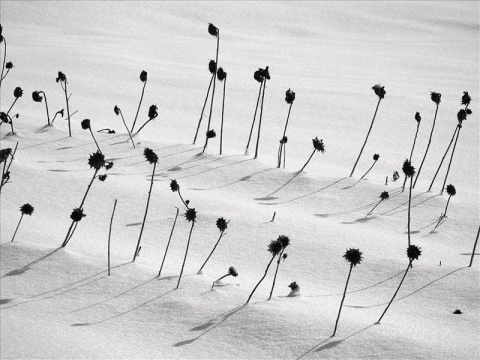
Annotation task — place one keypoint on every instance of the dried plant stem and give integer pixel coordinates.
(46, 106)
(374, 207)
(7, 168)
(263, 277)
(186, 253)
(11, 106)
(260, 119)
(371, 167)
(145, 215)
(474, 247)
(276, 271)
(168, 244)
(223, 110)
(221, 234)
(203, 109)
(310, 158)
(443, 158)
(141, 127)
(254, 117)
(451, 158)
(110, 234)
(409, 208)
(282, 144)
(343, 298)
(368, 134)
(213, 93)
(181, 198)
(224, 276)
(139, 104)
(15, 233)
(68, 108)
(91, 132)
(398, 288)
(126, 127)
(4, 59)
(428, 146)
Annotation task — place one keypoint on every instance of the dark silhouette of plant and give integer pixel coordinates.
(266, 76)
(152, 114)
(17, 93)
(62, 79)
(212, 67)
(4, 155)
(413, 252)
(96, 161)
(418, 118)
(59, 112)
(25, 209)
(117, 111)
(110, 235)
(86, 126)
(451, 191)
(175, 187)
(9, 66)
(289, 99)
(37, 97)
(474, 247)
(7, 119)
(383, 196)
(380, 92)
(168, 244)
(375, 159)
(353, 257)
(409, 172)
(275, 247)
(319, 146)
(143, 78)
(210, 135)
(4, 41)
(231, 272)
(295, 289)
(222, 77)
(285, 241)
(151, 158)
(257, 75)
(436, 98)
(222, 225)
(191, 216)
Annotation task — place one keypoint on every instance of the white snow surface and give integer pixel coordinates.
(60, 303)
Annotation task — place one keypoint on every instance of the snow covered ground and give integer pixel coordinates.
(61, 303)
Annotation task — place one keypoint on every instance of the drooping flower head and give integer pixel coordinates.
(413, 252)
(289, 96)
(26, 209)
(191, 215)
(451, 190)
(376, 157)
(353, 256)
(150, 155)
(408, 169)
(174, 186)
(232, 271)
(143, 76)
(212, 67)
(108, 165)
(379, 90)
(284, 240)
(102, 177)
(436, 97)
(384, 195)
(275, 247)
(284, 140)
(258, 75)
(61, 77)
(4, 154)
(212, 30)
(9, 65)
(36, 96)
(4, 117)
(318, 145)
(222, 224)
(18, 92)
(466, 98)
(77, 215)
(96, 160)
(85, 124)
(221, 74)
(152, 112)
(462, 115)
(418, 117)
(211, 134)
(116, 110)
(294, 286)
(266, 73)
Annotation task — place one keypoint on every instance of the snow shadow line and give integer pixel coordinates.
(245, 178)
(24, 268)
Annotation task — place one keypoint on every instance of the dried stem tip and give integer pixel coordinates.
(174, 186)
(212, 66)
(384, 195)
(26, 209)
(418, 117)
(191, 215)
(436, 97)
(376, 157)
(289, 96)
(143, 76)
(212, 30)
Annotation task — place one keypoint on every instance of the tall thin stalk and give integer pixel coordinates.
(18, 225)
(117, 111)
(284, 241)
(4, 57)
(451, 158)
(289, 98)
(254, 116)
(211, 252)
(203, 109)
(260, 119)
(62, 79)
(375, 159)
(318, 145)
(409, 172)
(223, 111)
(343, 298)
(231, 272)
(418, 118)
(168, 244)
(443, 158)
(110, 234)
(263, 277)
(190, 215)
(474, 247)
(143, 78)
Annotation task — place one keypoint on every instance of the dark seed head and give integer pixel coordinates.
(258, 75)
(151, 157)
(212, 66)
(221, 75)
(211, 134)
(408, 169)
(289, 96)
(102, 177)
(232, 271)
(4, 154)
(413, 252)
(284, 240)
(174, 186)
(284, 140)
(191, 215)
(353, 256)
(318, 145)
(96, 160)
(462, 115)
(451, 190)
(466, 98)
(116, 109)
(143, 76)
(212, 30)
(86, 124)
(61, 77)
(275, 247)
(294, 286)
(26, 209)
(9, 65)
(152, 112)
(384, 195)
(436, 97)
(109, 165)
(18, 92)
(379, 90)
(4, 117)
(36, 96)
(77, 215)
(376, 157)
(266, 73)
(222, 224)
(418, 117)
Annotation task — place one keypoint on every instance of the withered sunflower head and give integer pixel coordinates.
(384, 195)
(284, 240)
(212, 30)
(152, 112)
(353, 256)
(436, 97)
(150, 156)
(451, 190)
(318, 145)
(9, 65)
(211, 134)
(191, 215)
(77, 215)
(289, 96)
(36, 96)
(212, 67)
(18, 92)
(143, 76)
(85, 124)
(379, 90)
(26, 209)
(61, 77)
(4, 154)
(418, 117)
(408, 169)
(376, 157)
(413, 252)
(466, 98)
(275, 247)
(102, 177)
(232, 271)
(222, 224)
(294, 286)
(258, 75)
(96, 160)
(116, 110)
(174, 186)
(221, 74)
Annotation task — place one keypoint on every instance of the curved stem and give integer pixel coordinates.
(374, 207)
(369, 170)
(139, 104)
(443, 158)
(46, 106)
(14, 101)
(203, 109)
(168, 244)
(310, 158)
(254, 117)
(223, 109)
(451, 158)
(146, 122)
(260, 119)
(68, 110)
(181, 198)
(276, 271)
(224, 276)
(110, 234)
(368, 134)
(186, 252)
(4, 59)
(343, 298)
(221, 234)
(474, 247)
(15, 233)
(263, 277)
(126, 127)
(98, 147)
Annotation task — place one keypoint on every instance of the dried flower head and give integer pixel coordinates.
(289, 96)
(1, 36)
(191, 215)
(116, 110)
(258, 75)
(294, 286)
(266, 73)
(284, 240)
(212, 30)
(152, 112)
(96, 160)
(222, 224)
(61, 77)
(174, 186)
(413, 252)
(102, 177)
(435, 97)
(211, 134)
(384, 195)
(232, 271)
(451, 190)
(284, 140)
(4, 154)
(408, 169)
(275, 247)
(9, 65)
(18, 92)
(36, 96)
(26, 209)
(353, 256)
(379, 90)
(284, 256)
(4, 117)
(109, 165)
(318, 145)
(466, 98)
(221, 75)
(143, 76)
(85, 124)
(376, 157)
(151, 157)
(418, 117)
(462, 115)
(77, 214)
(212, 66)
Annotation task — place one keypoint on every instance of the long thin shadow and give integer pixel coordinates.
(349, 187)
(392, 211)
(245, 178)
(89, 143)
(44, 143)
(24, 268)
(125, 312)
(269, 196)
(209, 326)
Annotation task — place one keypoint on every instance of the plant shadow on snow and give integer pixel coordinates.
(5, 301)
(244, 178)
(44, 143)
(24, 268)
(209, 326)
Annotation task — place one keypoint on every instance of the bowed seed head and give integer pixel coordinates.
(221, 74)
(293, 286)
(152, 112)
(116, 110)
(462, 115)
(451, 190)
(353, 256)
(4, 117)
(408, 169)
(275, 247)
(284, 140)
(212, 67)
(413, 252)
(109, 165)
(150, 155)
(26, 209)
(174, 186)
(85, 124)
(212, 30)
(61, 77)
(376, 157)
(77, 215)
(1, 36)
(284, 240)
(143, 76)
(18, 92)
(102, 177)
(211, 134)
(96, 160)
(436, 97)
(379, 90)
(232, 271)
(36, 96)
(384, 195)
(191, 215)
(466, 98)
(258, 75)
(222, 224)
(289, 96)
(4, 154)
(318, 145)
(266, 73)
(418, 117)
(9, 65)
